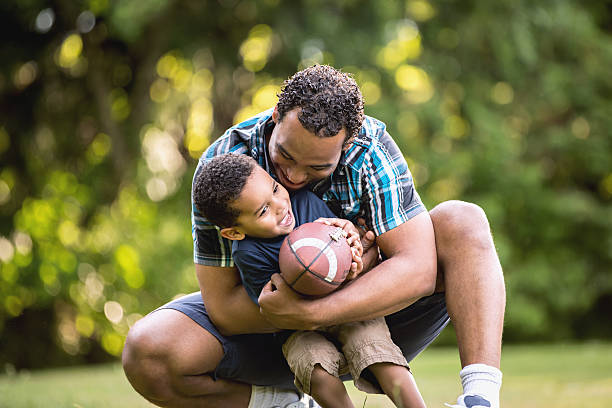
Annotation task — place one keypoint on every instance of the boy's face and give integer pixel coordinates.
(265, 209)
(298, 155)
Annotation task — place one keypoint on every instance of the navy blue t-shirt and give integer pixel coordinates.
(257, 258)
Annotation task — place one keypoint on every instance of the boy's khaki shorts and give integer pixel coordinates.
(362, 344)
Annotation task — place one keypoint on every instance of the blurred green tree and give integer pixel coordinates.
(106, 106)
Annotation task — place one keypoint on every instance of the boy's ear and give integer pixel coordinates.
(232, 233)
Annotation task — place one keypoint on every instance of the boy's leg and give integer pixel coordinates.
(398, 383)
(317, 363)
(328, 390)
(175, 357)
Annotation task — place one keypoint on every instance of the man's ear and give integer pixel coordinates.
(347, 144)
(232, 233)
(275, 114)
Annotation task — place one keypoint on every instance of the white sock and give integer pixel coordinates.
(265, 397)
(483, 380)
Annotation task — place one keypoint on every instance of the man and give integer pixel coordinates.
(195, 352)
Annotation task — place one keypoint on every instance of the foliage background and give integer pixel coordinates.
(105, 106)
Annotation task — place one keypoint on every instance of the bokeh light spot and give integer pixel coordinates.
(371, 92)
(23, 242)
(84, 325)
(112, 343)
(70, 50)
(44, 20)
(265, 97)
(86, 21)
(408, 124)
(134, 278)
(455, 126)
(6, 250)
(120, 105)
(416, 82)
(581, 128)
(166, 65)
(255, 50)
(13, 305)
(201, 82)
(502, 93)
(25, 75)
(161, 152)
(99, 148)
(68, 233)
(113, 311)
(420, 10)
(48, 274)
(160, 90)
(157, 189)
(98, 6)
(605, 186)
(127, 257)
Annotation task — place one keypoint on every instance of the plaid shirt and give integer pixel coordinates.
(371, 181)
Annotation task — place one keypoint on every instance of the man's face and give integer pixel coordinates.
(265, 208)
(298, 155)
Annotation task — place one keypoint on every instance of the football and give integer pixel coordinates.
(315, 259)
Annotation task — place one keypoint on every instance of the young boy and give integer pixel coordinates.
(256, 212)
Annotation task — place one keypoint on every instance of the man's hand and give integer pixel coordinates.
(354, 241)
(283, 307)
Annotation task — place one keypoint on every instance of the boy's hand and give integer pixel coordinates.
(371, 255)
(354, 241)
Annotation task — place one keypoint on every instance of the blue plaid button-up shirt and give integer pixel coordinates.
(371, 181)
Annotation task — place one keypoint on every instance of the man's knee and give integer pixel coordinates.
(164, 348)
(460, 222)
(144, 362)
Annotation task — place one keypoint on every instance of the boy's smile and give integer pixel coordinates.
(264, 206)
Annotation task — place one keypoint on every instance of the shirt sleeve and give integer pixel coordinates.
(255, 268)
(390, 193)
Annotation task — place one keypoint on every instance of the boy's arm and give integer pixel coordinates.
(227, 302)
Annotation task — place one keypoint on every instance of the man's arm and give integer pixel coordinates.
(227, 302)
(408, 274)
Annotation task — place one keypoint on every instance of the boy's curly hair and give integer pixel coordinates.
(329, 100)
(218, 184)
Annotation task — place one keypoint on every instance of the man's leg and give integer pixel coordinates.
(474, 285)
(167, 357)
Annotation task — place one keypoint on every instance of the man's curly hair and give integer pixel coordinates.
(218, 184)
(329, 100)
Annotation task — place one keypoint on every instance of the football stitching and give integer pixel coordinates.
(307, 268)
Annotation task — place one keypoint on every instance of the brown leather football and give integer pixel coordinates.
(315, 258)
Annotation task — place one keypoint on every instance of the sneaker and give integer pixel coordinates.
(470, 401)
(306, 401)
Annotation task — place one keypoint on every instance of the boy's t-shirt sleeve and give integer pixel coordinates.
(255, 270)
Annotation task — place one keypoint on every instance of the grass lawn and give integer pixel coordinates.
(560, 376)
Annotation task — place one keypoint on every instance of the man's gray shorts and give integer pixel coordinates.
(258, 358)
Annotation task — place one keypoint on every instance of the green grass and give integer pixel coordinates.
(560, 376)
